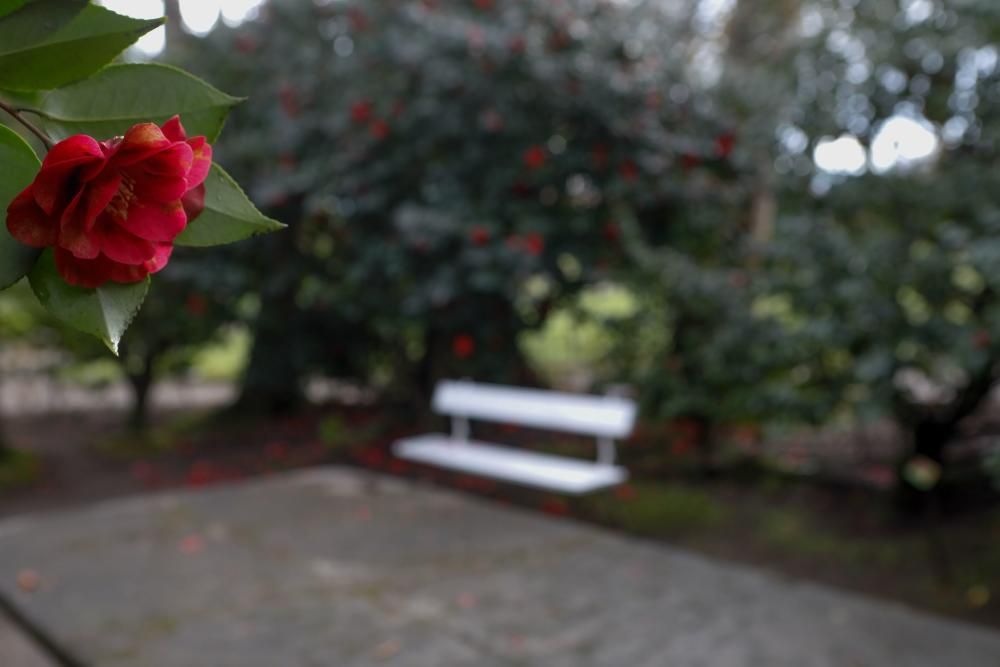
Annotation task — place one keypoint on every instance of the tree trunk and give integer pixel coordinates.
(141, 382)
(5, 449)
(272, 383)
(174, 27)
(705, 443)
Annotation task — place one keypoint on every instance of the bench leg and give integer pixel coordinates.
(606, 451)
(459, 429)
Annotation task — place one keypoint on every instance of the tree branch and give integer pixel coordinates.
(44, 138)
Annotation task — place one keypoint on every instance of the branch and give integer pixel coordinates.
(44, 138)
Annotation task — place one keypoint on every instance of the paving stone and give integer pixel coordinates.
(338, 568)
(17, 650)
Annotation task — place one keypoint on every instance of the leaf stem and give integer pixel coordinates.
(16, 113)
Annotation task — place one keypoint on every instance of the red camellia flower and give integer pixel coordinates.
(612, 232)
(361, 111)
(724, 144)
(111, 210)
(628, 170)
(479, 235)
(599, 155)
(289, 97)
(534, 157)
(196, 304)
(534, 244)
(463, 346)
(379, 129)
(689, 161)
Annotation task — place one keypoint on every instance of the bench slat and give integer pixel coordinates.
(602, 416)
(515, 465)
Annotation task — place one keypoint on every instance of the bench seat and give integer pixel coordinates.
(556, 473)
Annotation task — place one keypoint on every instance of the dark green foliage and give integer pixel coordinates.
(435, 159)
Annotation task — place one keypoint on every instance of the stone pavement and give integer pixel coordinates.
(338, 568)
(16, 650)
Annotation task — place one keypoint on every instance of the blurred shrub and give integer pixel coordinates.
(449, 170)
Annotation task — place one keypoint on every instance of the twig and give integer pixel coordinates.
(44, 138)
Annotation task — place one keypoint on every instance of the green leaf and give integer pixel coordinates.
(88, 42)
(24, 27)
(18, 166)
(228, 216)
(104, 312)
(119, 96)
(10, 6)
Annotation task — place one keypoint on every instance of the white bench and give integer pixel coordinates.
(605, 417)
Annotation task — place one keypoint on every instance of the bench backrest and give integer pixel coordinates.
(601, 416)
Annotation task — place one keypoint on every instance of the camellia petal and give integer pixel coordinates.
(29, 224)
(73, 151)
(121, 245)
(127, 273)
(58, 177)
(139, 143)
(100, 194)
(78, 240)
(160, 259)
(163, 189)
(202, 161)
(194, 202)
(88, 273)
(173, 129)
(155, 222)
(175, 161)
(88, 203)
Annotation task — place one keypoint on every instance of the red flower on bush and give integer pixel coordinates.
(689, 161)
(361, 111)
(463, 346)
(196, 304)
(289, 97)
(599, 155)
(534, 244)
(628, 170)
(479, 235)
(612, 232)
(534, 157)
(246, 44)
(379, 129)
(112, 209)
(724, 144)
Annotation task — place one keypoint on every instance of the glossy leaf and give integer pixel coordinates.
(18, 166)
(229, 215)
(33, 57)
(104, 312)
(119, 96)
(11, 6)
(25, 25)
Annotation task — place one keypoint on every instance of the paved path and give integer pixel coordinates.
(16, 650)
(337, 568)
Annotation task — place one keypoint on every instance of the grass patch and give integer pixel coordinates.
(157, 438)
(797, 533)
(577, 338)
(658, 509)
(18, 468)
(225, 359)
